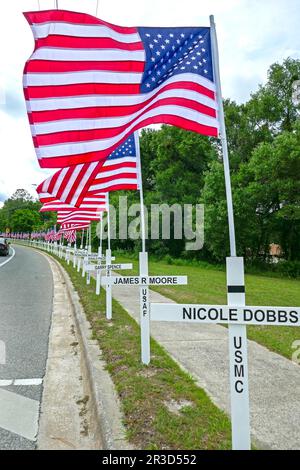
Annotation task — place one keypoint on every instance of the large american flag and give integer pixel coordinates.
(89, 84)
(120, 171)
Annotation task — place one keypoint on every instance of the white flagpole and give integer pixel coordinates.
(98, 276)
(143, 265)
(74, 253)
(100, 238)
(81, 247)
(240, 419)
(89, 235)
(82, 238)
(85, 259)
(108, 261)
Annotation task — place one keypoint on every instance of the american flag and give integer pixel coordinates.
(90, 84)
(76, 226)
(70, 235)
(78, 215)
(97, 201)
(120, 172)
(50, 236)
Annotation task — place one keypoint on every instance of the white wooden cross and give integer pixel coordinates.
(236, 314)
(143, 281)
(108, 267)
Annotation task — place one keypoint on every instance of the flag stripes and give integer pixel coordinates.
(72, 185)
(90, 84)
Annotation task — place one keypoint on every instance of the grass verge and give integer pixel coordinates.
(208, 286)
(163, 407)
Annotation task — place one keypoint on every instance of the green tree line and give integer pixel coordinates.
(183, 167)
(20, 213)
(264, 146)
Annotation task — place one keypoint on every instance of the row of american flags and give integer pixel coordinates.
(90, 86)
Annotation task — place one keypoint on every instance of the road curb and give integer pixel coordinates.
(105, 401)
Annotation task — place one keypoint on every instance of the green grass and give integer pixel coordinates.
(145, 391)
(208, 286)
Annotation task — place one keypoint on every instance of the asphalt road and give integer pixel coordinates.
(26, 290)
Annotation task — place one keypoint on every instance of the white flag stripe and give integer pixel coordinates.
(71, 181)
(80, 218)
(74, 78)
(75, 148)
(60, 179)
(106, 174)
(48, 180)
(83, 213)
(53, 53)
(108, 122)
(83, 181)
(88, 203)
(42, 30)
(48, 104)
(119, 181)
(117, 161)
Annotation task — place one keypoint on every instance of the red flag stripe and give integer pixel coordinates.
(85, 42)
(92, 112)
(72, 18)
(102, 132)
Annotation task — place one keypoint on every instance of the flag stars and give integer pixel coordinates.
(172, 53)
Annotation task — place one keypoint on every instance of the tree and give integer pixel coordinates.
(25, 220)
(272, 105)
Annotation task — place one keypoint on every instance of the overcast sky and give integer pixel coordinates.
(252, 35)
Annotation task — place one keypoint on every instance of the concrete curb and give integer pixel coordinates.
(104, 397)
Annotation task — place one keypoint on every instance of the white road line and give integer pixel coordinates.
(7, 382)
(28, 381)
(9, 259)
(19, 414)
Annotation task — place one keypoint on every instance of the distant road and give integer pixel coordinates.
(26, 290)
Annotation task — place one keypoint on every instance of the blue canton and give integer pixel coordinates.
(171, 51)
(126, 149)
